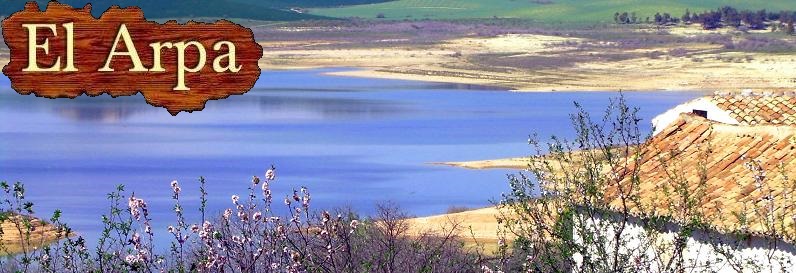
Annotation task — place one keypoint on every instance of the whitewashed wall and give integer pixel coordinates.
(651, 251)
(715, 113)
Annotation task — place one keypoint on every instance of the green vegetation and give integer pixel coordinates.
(308, 3)
(179, 9)
(553, 11)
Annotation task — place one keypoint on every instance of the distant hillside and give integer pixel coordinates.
(309, 3)
(181, 8)
(589, 11)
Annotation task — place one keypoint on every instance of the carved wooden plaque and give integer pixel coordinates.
(64, 52)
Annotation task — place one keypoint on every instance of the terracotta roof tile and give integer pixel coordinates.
(754, 110)
(730, 186)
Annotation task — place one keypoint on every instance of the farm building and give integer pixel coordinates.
(737, 178)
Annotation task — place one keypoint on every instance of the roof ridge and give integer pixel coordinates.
(691, 117)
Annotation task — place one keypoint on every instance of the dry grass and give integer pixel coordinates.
(478, 227)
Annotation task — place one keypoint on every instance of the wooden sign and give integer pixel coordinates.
(65, 52)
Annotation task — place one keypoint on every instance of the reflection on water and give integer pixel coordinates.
(352, 141)
(282, 105)
(327, 108)
(97, 114)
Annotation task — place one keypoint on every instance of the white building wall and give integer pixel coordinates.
(715, 113)
(702, 253)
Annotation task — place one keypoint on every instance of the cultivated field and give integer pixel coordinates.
(549, 11)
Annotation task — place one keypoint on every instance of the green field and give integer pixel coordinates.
(242, 9)
(552, 11)
(308, 3)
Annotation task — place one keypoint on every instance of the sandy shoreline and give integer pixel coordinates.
(515, 163)
(542, 63)
(12, 241)
(477, 228)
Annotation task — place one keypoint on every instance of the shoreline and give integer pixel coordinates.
(42, 234)
(371, 73)
(698, 79)
(513, 163)
(546, 63)
(477, 227)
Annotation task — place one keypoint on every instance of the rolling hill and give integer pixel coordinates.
(552, 11)
(309, 3)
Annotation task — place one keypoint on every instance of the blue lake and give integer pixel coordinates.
(352, 141)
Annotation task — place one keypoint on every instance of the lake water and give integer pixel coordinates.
(354, 142)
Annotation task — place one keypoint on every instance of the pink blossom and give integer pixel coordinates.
(227, 214)
(270, 174)
(175, 187)
(136, 239)
(130, 259)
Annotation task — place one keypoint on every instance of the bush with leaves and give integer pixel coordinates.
(579, 208)
(248, 237)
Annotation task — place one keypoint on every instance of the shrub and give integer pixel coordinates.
(248, 237)
(457, 209)
(564, 220)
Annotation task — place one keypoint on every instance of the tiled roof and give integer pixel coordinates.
(754, 110)
(728, 186)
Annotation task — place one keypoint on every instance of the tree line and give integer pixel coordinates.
(726, 16)
(632, 18)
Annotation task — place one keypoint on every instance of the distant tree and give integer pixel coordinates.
(624, 18)
(710, 20)
(686, 17)
(616, 17)
(789, 27)
(772, 16)
(694, 17)
(747, 16)
(730, 16)
(381, 16)
(784, 16)
(760, 19)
